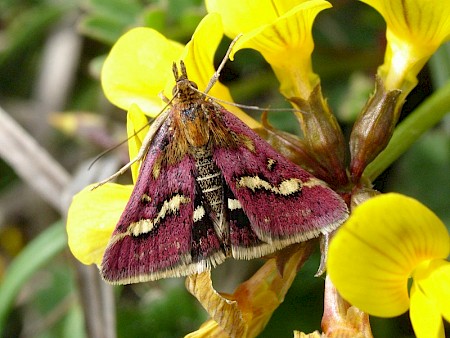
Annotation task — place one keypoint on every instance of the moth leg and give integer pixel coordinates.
(324, 242)
(164, 98)
(154, 127)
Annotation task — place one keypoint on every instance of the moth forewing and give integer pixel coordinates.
(154, 127)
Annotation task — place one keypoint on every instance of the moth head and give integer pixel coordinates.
(183, 84)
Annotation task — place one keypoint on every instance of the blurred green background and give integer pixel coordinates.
(50, 56)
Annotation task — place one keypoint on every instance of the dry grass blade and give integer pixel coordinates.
(31, 162)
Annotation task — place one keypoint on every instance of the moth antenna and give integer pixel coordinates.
(216, 75)
(118, 173)
(154, 126)
(175, 71)
(244, 106)
(104, 152)
(182, 70)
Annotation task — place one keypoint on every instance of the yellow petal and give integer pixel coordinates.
(209, 329)
(138, 68)
(137, 128)
(425, 316)
(92, 218)
(281, 32)
(315, 334)
(198, 54)
(422, 22)
(433, 279)
(376, 250)
(415, 29)
(243, 16)
(287, 44)
(225, 312)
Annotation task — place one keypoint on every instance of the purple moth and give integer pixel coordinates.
(210, 188)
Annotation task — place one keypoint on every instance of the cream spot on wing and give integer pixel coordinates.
(271, 163)
(234, 204)
(141, 227)
(312, 182)
(290, 186)
(146, 198)
(285, 188)
(199, 212)
(169, 207)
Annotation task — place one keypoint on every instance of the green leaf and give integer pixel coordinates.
(101, 28)
(155, 17)
(123, 11)
(36, 254)
(107, 20)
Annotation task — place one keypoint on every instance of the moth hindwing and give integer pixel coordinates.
(209, 188)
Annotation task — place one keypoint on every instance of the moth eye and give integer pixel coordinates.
(193, 84)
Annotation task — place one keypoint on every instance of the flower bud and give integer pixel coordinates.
(323, 135)
(373, 128)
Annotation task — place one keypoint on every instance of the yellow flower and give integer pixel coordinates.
(137, 69)
(281, 31)
(387, 240)
(415, 30)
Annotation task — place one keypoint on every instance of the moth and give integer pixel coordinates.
(210, 188)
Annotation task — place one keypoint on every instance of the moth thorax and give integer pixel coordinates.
(195, 126)
(209, 179)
